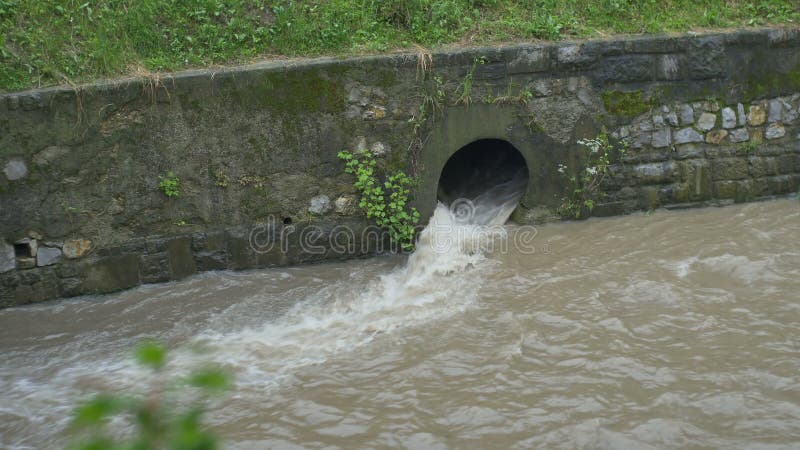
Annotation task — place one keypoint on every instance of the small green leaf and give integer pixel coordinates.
(210, 379)
(151, 354)
(97, 410)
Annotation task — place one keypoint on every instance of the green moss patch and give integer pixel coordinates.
(772, 84)
(626, 104)
(291, 93)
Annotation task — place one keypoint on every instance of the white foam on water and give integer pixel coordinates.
(441, 278)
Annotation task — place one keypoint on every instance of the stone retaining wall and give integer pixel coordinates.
(709, 119)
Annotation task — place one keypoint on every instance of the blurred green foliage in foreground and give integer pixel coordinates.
(154, 422)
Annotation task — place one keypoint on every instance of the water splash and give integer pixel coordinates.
(441, 278)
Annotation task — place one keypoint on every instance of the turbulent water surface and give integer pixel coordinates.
(669, 330)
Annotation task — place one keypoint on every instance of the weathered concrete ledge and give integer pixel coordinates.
(709, 119)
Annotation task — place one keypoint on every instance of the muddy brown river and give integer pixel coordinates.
(675, 329)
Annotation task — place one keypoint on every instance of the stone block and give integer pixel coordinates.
(654, 172)
(320, 204)
(7, 297)
(687, 151)
(672, 119)
(8, 260)
(156, 244)
(346, 205)
(26, 263)
(47, 256)
(670, 67)
(154, 268)
(111, 274)
(728, 118)
(730, 169)
(776, 111)
(67, 270)
(198, 242)
(30, 102)
(746, 37)
(69, 287)
(624, 69)
(76, 248)
(726, 189)
(530, 61)
(763, 166)
(742, 116)
(10, 279)
(697, 177)
(23, 294)
(662, 138)
(15, 169)
(241, 253)
(784, 37)
(686, 114)
(739, 135)
(756, 116)
(30, 276)
(787, 163)
(46, 289)
(573, 57)
(783, 184)
(775, 131)
(211, 261)
(706, 57)
(490, 71)
(716, 136)
(687, 135)
(181, 261)
(711, 106)
(133, 246)
(605, 48)
(707, 121)
(649, 197)
(655, 44)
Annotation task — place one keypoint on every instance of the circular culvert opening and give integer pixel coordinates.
(489, 170)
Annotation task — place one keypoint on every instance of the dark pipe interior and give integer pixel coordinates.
(477, 167)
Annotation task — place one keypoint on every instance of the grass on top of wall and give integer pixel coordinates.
(46, 42)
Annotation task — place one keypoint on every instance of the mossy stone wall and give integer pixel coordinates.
(254, 148)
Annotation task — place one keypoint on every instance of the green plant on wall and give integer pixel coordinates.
(584, 184)
(465, 88)
(157, 422)
(170, 184)
(387, 202)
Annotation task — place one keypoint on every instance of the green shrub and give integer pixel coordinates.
(387, 203)
(170, 185)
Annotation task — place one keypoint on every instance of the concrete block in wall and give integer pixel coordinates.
(706, 57)
(111, 274)
(181, 262)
